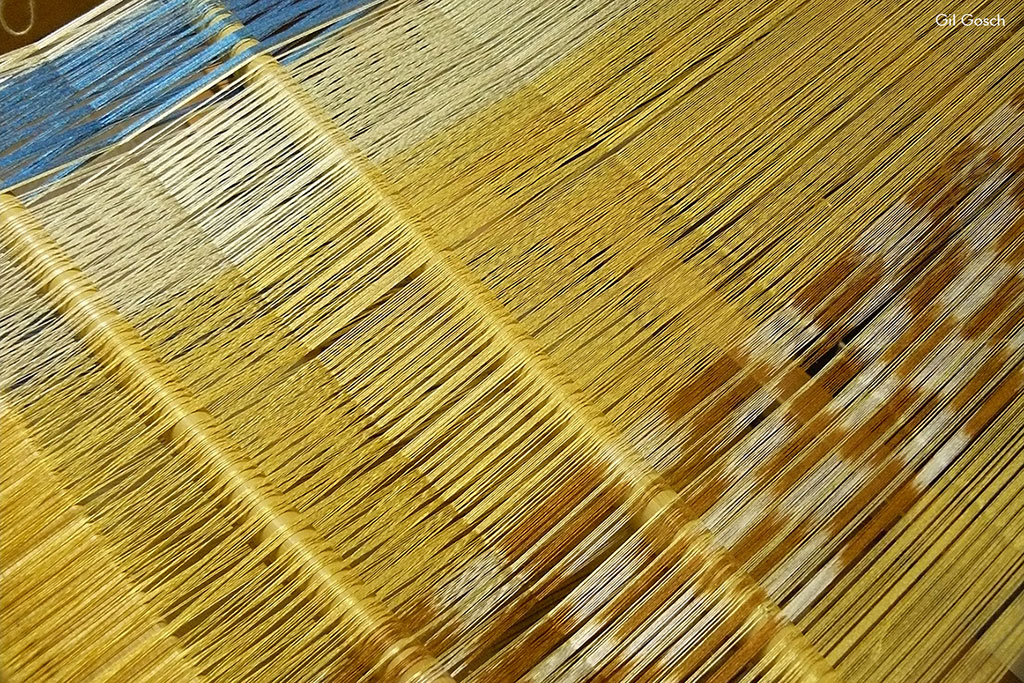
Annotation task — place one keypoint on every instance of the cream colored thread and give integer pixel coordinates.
(31, 19)
(125, 353)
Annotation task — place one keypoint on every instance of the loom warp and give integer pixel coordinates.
(451, 340)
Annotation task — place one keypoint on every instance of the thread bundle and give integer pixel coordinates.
(516, 345)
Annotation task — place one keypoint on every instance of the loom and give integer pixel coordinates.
(455, 341)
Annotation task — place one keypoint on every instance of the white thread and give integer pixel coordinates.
(31, 19)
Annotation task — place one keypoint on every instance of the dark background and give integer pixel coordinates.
(49, 15)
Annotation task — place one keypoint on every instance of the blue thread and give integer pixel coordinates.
(112, 85)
